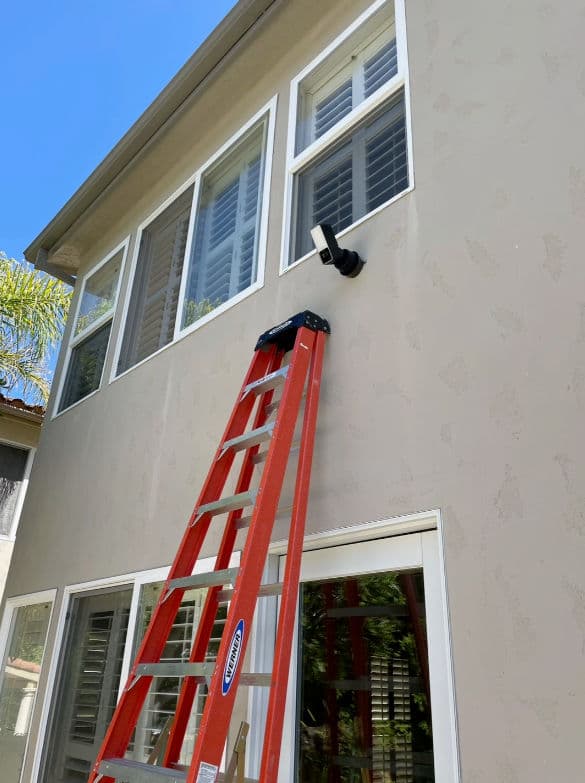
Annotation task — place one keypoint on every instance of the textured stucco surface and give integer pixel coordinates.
(454, 379)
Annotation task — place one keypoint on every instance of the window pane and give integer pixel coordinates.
(366, 168)
(150, 323)
(88, 684)
(12, 466)
(19, 678)
(162, 698)
(85, 367)
(358, 67)
(225, 247)
(99, 293)
(364, 712)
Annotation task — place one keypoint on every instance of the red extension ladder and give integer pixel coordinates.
(304, 335)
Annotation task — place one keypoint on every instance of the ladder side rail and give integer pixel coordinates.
(290, 590)
(219, 705)
(208, 615)
(128, 709)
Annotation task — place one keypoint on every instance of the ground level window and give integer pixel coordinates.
(370, 696)
(19, 678)
(364, 710)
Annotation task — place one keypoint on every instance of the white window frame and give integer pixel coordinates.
(11, 606)
(414, 540)
(75, 339)
(135, 581)
(268, 111)
(298, 161)
(11, 535)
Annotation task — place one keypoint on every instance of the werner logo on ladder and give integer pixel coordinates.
(304, 335)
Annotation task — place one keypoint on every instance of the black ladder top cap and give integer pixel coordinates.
(283, 335)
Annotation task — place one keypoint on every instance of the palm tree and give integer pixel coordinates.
(33, 310)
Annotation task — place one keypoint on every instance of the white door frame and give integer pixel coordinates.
(374, 548)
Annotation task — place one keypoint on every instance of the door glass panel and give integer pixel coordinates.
(160, 704)
(88, 688)
(364, 711)
(19, 678)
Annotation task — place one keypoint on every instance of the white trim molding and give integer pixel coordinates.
(297, 161)
(75, 339)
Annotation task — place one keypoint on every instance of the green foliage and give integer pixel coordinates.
(33, 310)
(328, 653)
(83, 321)
(196, 310)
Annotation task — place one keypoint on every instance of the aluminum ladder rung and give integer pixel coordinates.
(209, 579)
(270, 381)
(248, 439)
(231, 503)
(137, 772)
(178, 669)
(243, 522)
(264, 592)
(220, 775)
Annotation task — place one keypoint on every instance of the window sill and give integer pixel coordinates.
(75, 404)
(347, 230)
(193, 328)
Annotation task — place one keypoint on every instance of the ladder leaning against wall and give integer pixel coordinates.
(301, 339)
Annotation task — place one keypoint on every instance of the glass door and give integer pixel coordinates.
(362, 706)
(89, 682)
(20, 672)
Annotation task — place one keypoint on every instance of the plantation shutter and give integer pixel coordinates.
(367, 168)
(223, 260)
(380, 68)
(12, 467)
(87, 692)
(386, 158)
(331, 109)
(155, 294)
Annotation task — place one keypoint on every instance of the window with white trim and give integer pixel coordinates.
(349, 147)
(23, 636)
(90, 335)
(188, 265)
(14, 468)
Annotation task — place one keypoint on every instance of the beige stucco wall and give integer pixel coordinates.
(15, 431)
(454, 378)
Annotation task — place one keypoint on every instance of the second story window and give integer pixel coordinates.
(348, 140)
(91, 330)
(202, 250)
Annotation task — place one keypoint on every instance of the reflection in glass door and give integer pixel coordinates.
(89, 681)
(19, 678)
(364, 712)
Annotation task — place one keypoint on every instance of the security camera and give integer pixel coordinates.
(348, 262)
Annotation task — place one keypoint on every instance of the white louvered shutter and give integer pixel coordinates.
(225, 248)
(155, 294)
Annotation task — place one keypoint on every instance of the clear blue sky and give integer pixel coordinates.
(73, 77)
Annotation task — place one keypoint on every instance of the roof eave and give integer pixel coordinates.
(204, 60)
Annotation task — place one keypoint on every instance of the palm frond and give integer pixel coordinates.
(33, 311)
